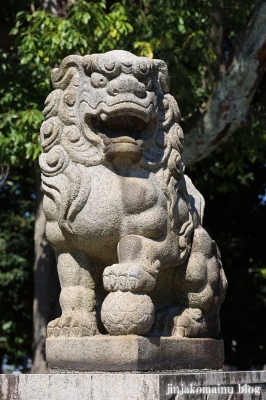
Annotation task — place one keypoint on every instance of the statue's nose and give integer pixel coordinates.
(126, 84)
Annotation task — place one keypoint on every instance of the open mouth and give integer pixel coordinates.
(119, 128)
(119, 121)
(122, 135)
(122, 128)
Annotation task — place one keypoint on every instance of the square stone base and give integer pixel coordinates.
(248, 385)
(133, 353)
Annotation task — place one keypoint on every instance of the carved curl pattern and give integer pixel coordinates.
(50, 133)
(65, 149)
(54, 162)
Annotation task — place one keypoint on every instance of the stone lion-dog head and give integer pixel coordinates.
(107, 108)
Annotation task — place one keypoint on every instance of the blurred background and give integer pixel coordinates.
(207, 45)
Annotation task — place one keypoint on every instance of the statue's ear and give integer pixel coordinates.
(164, 78)
(88, 63)
(62, 76)
(92, 63)
(196, 200)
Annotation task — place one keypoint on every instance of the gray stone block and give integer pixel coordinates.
(133, 353)
(132, 386)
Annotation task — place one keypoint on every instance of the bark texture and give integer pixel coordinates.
(229, 104)
(4, 171)
(56, 7)
(46, 282)
(46, 286)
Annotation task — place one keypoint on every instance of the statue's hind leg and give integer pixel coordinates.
(77, 298)
(199, 286)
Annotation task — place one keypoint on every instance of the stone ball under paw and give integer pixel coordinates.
(127, 313)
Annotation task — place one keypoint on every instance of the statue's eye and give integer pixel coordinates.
(98, 80)
(143, 67)
(109, 65)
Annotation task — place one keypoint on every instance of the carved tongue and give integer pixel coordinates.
(123, 139)
(120, 139)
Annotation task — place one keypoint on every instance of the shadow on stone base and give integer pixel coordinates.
(133, 353)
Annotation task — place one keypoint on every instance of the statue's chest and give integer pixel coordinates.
(120, 205)
(116, 207)
(137, 195)
(119, 195)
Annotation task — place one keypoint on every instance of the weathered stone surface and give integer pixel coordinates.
(126, 386)
(79, 387)
(133, 353)
(246, 385)
(124, 220)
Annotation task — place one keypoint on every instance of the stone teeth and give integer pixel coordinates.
(106, 140)
(103, 116)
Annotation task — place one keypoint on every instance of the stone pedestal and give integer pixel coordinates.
(248, 385)
(133, 353)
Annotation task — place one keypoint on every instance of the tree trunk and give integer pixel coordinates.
(46, 305)
(229, 105)
(56, 7)
(46, 285)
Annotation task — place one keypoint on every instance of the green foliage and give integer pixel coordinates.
(21, 116)
(16, 260)
(174, 32)
(46, 39)
(42, 41)
(230, 165)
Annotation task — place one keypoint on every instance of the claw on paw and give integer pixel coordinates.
(73, 326)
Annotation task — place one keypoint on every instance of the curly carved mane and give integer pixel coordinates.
(71, 146)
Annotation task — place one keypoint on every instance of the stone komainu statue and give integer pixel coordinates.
(122, 217)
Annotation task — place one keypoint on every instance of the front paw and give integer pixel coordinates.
(74, 325)
(127, 277)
